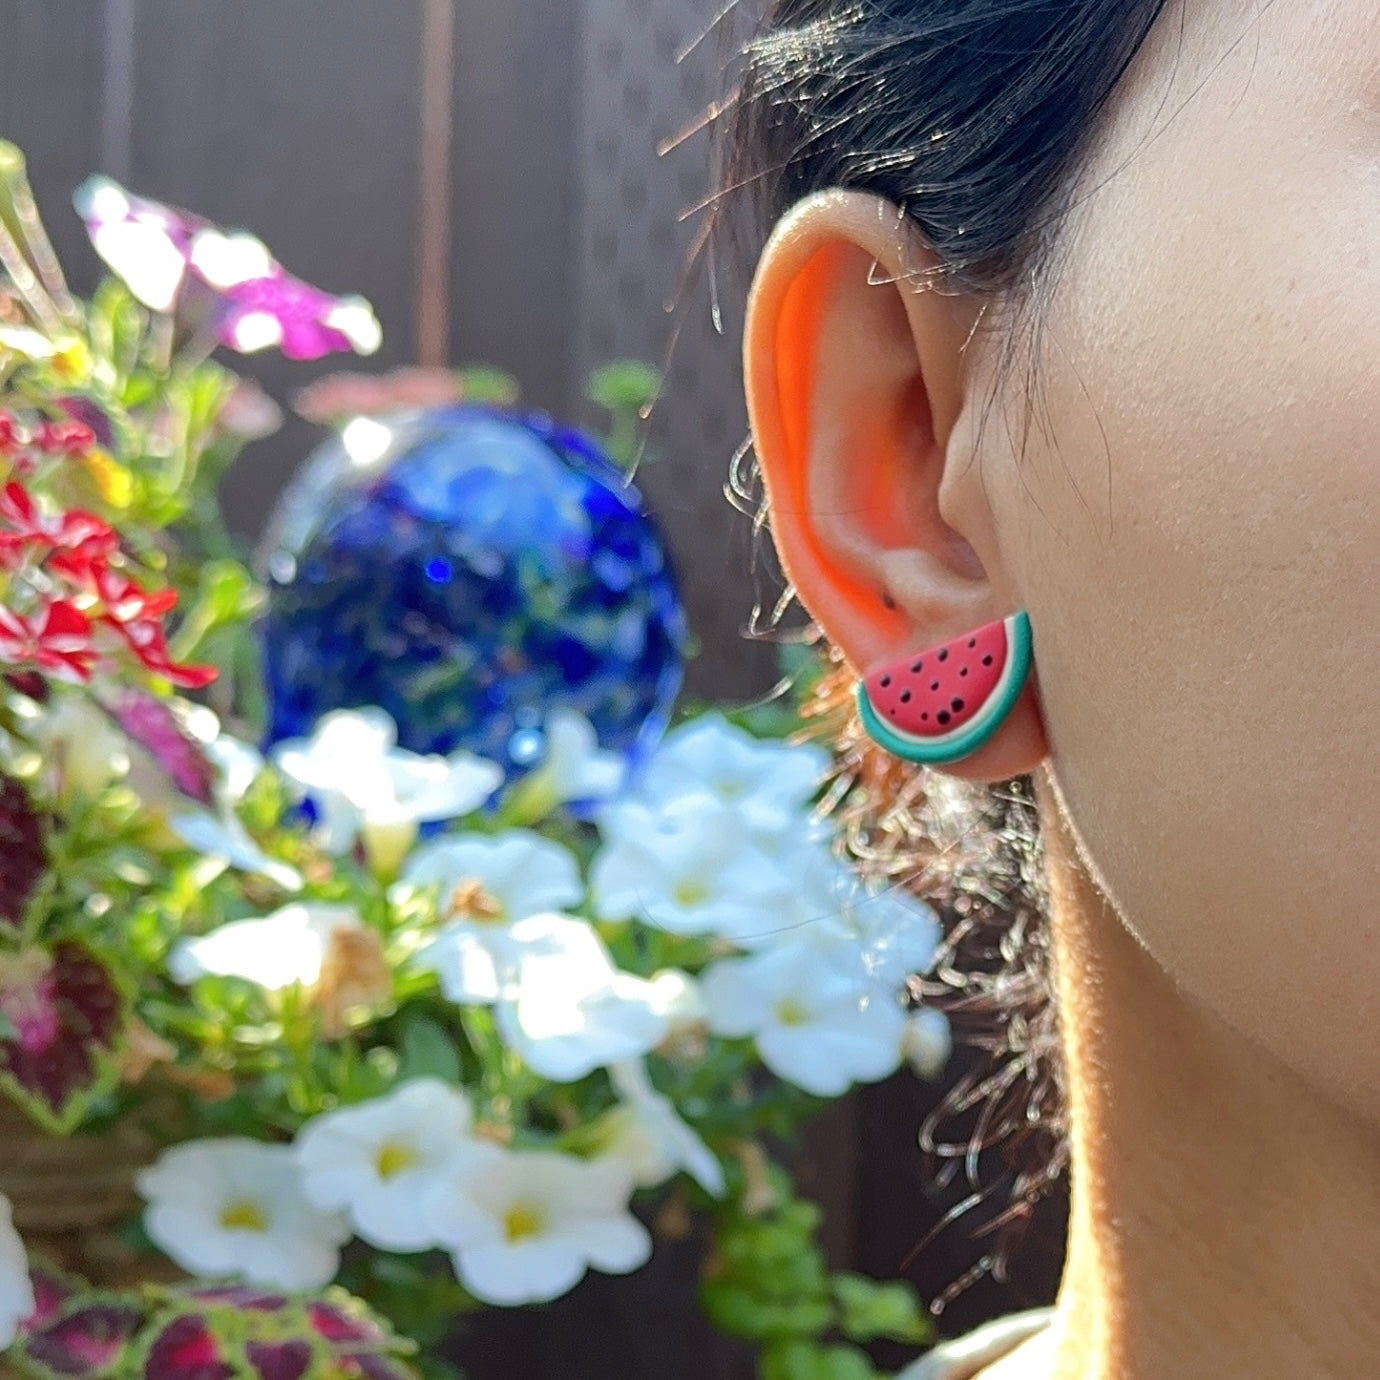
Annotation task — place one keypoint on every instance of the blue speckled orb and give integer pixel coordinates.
(469, 569)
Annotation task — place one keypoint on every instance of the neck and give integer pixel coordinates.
(1225, 1215)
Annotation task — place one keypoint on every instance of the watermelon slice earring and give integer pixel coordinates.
(941, 704)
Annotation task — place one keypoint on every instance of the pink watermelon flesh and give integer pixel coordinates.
(944, 688)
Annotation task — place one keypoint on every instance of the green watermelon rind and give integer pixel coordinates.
(962, 741)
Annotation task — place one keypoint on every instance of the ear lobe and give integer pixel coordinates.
(856, 378)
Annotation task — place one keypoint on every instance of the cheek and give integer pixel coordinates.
(1198, 532)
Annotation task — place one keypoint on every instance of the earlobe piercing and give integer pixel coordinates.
(942, 704)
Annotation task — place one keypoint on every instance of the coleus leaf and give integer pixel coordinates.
(63, 1015)
(82, 1341)
(186, 1349)
(23, 853)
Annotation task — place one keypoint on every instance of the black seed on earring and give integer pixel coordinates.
(944, 655)
(943, 716)
(905, 696)
(917, 666)
(924, 718)
(972, 642)
(964, 671)
(987, 661)
(956, 706)
(934, 685)
(886, 682)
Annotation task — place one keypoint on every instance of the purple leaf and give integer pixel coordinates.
(336, 1325)
(86, 1342)
(52, 1289)
(65, 1015)
(186, 1350)
(23, 855)
(280, 1360)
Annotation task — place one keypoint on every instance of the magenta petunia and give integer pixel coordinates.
(301, 321)
(187, 1349)
(171, 259)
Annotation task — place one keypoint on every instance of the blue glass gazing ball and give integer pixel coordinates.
(469, 569)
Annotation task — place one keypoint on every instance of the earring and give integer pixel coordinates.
(944, 703)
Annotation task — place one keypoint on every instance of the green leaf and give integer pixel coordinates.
(624, 385)
(480, 383)
(869, 1309)
(806, 1361)
(428, 1051)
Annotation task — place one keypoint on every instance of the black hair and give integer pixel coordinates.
(971, 116)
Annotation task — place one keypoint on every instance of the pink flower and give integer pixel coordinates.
(300, 320)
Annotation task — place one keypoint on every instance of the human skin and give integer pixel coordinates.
(1190, 514)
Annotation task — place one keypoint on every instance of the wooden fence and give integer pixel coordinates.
(563, 237)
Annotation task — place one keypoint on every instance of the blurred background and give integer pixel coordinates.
(488, 173)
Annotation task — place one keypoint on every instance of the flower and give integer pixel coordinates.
(336, 397)
(234, 1207)
(146, 244)
(80, 745)
(646, 1130)
(687, 867)
(300, 320)
(364, 787)
(220, 833)
(524, 1226)
(488, 882)
(17, 1302)
(818, 1021)
(159, 251)
(377, 1160)
(275, 951)
(770, 782)
(573, 1011)
(927, 1043)
(574, 769)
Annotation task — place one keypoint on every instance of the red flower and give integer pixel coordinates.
(61, 644)
(23, 527)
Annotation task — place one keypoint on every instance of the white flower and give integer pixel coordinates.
(377, 1160)
(17, 1302)
(80, 743)
(574, 768)
(221, 833)
(894, 933)
(687, 867)
(573, 1011)
(524, 1226)
(235, 1208)
(770, 782)
(646, 1130)
(818, 1021)
(275, 951)
(927, 1043)
(489, 882)
(364, 786)
(225, 837)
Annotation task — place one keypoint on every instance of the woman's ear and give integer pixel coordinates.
(857, 375)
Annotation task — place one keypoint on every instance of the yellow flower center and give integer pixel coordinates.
(521, 1222)
(393, 1158)
(789, 1011)
(244, 1214)
(692, 893)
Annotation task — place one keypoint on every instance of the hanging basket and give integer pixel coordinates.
(72, 1194)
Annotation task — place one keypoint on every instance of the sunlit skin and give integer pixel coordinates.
(1192, 521)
